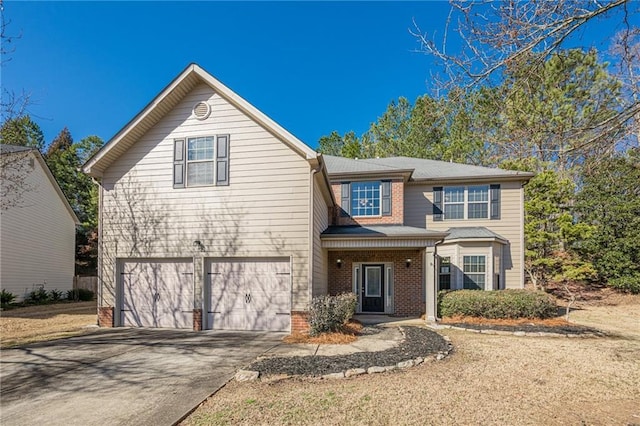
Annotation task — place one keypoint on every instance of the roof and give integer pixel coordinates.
(166, 100)
(472, 232)
(422, 169)
(392, 231)
(10, 149)
(6, 149)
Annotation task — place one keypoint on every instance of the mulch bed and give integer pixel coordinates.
(418, 342)
(530, 328)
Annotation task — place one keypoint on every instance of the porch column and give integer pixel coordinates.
(430, 282)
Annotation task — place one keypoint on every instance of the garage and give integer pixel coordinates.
(249, 294)
(157, 293)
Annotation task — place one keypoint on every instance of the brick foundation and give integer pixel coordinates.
(408, 282)
(299, 322)
(105, 316)
(197, 319)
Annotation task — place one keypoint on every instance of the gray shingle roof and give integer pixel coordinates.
(381, 231)
(422, 169)
(5, 149)
(471, 232)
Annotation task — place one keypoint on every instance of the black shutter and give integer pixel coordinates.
(495, 201)
(386, 198)
(345, 199)
(222, 160)
(178, 163)
(437, 203)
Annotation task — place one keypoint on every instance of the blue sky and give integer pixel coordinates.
(312, 67)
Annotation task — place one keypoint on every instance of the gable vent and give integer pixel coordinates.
(201, 110)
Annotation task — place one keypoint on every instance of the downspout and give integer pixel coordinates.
(312, 175)
(99, 266)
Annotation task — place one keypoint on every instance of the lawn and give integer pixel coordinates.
(45, 322)
(489, 379)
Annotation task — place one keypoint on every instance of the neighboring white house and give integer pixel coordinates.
(37, 226)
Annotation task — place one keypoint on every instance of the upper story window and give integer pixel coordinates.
(466, 202)
(365, 198)
(206, 161)
(200, 161)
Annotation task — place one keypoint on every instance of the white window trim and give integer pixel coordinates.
(187, 162)
(380, 198)
(485, 273)
(465, 203)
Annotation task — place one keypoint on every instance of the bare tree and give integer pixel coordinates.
(495, 35)
(12, 104)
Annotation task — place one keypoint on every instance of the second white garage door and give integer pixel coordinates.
(157, 293)
(249, 294)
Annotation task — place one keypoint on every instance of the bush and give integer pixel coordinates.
(38, 296)
(55, 295)
(80, 294)
(6, 297)
(329, 313)
(628, 284)
(502, 304)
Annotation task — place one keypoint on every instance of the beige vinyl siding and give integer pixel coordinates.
(320, 223)
(418, 209)
(37, 242)
(262, 213)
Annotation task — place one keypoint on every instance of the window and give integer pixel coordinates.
(474, 268)
(454, 202)
(459, 202)
(200, 161)
(478, 202)
(365, 198)
(444, 273)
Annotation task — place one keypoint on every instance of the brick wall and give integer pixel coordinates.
(397, 208)
(197, 319)
(408, 297)
(299, 322)
(105, 316)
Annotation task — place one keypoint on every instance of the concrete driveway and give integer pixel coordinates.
(121, 376)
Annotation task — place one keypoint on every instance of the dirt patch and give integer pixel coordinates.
(489, 380)
(348, 334)
(45, 322)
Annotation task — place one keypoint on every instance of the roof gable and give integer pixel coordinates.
(166, 100)
(14, 149)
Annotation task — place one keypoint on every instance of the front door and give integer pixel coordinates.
(373, 288)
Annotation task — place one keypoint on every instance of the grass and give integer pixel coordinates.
(489, 380)
(37, 323)
(348, 334)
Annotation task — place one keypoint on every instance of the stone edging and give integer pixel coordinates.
(516, 333)
(249, 375)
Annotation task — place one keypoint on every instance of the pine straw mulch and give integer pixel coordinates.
(528, 325)
(347, 334)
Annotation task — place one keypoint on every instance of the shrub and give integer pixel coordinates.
(627, 284)
(6, 297)
(38, 296)
(502, 304)
(55, 295)
(329, 313)
(80, 294)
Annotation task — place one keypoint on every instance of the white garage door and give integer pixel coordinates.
(157, 293)
(252, 294)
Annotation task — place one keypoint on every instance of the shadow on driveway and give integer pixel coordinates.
(122, 376)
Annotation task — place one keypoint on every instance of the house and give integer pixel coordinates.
(37, 226)
(213, 216)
